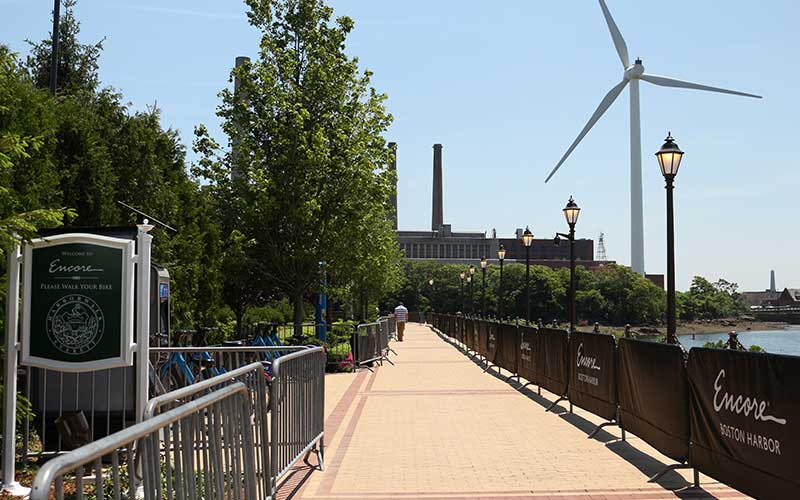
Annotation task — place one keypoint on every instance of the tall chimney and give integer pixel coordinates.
(236, 140)
(772, 281)
(393, 196)
(437, 219)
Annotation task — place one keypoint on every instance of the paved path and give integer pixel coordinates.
(436, 427)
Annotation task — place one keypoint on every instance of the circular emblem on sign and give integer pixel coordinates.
(75, 324)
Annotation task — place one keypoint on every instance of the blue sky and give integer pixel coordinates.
(505, 87)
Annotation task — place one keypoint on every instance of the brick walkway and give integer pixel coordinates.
(435, 427)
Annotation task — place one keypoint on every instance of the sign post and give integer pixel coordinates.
(10, 485)
(143, 321)
(77, 315)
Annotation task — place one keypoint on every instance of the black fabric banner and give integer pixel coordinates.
(654, 395)
(593, 373)
(507, 347)
(745, 420)
(528, 345)
(552, 365)
(491, 340)
(476, 338)
(482, 333)
(469, 336)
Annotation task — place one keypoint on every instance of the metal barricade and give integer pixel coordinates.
(385, 336)
(372, 344)
(254, 377)
(208, 454)
(176, 367)
(298, 409)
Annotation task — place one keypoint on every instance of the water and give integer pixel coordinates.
(774, 341)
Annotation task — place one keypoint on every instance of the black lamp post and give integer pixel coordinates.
(484, 263)
(571, 212)
(669, 159)
(469, 284)
(527, 239)
(430, 284)
(54, 46)
(461, 277)
(470, 278)
(501, 256)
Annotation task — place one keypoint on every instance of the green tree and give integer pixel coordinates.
(96, 152)
(310, 163)
(26, 120)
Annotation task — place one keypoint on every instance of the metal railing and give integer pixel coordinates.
(390, 323)
(298, 409)
(254, 377)
(176, 367)
(208, 453)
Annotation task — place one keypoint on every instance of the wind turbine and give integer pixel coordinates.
(632, 74)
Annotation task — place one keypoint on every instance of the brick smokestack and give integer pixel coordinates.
(437, 215)
(393, 196)
(236, 140)
(772, 281)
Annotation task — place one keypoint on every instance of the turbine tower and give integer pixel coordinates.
(631, 76)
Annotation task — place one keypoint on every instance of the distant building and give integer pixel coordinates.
(788, 297)
(444, 244)
(767, 297)
(764, 298)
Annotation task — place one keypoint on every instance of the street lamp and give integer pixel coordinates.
(501, 256)
(484, 263)
(527, 239)
(469, 283)
(669, 159)
(461, 276)
(430, 284)
(571, 213)
(469, 280)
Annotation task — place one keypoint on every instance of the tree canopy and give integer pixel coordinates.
(307, 181)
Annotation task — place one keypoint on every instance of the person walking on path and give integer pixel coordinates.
(400, 316)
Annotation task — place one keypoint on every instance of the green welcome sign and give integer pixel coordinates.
(77, 308)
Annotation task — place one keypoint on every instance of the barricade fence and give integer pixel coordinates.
(254, 377)
(208, 453)
(371, 342)
(71, 409)
(732, 415)
(193, 442)
(298, 409)
(176, 367)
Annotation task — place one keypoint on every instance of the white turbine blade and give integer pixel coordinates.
(604, 105)
(671, 82)
(619, 42)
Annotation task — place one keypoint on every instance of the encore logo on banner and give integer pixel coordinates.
(77, 307)
(745, 420)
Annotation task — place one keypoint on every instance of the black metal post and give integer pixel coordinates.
(527, 284)
(500, 294)
(671, 327)
(462, 296)
(572, 310)
(54, 54)
(471, 302)
(483, 292)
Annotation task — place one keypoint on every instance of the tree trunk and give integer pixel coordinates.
(239, 314)
(298, 314)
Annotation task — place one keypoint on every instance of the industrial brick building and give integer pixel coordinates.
(443, 244)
